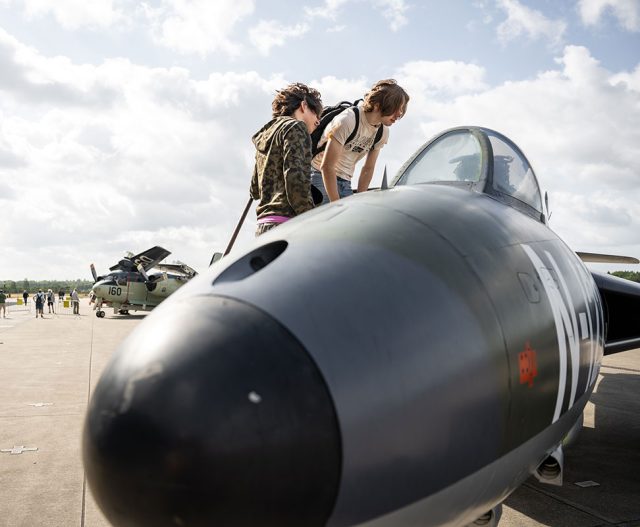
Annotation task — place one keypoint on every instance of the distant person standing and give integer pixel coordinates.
(25, 297)
(61, 295)
(76, 302)
(39, 301)
(3, 299)
(50, 299)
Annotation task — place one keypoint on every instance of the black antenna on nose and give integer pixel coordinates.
(384, 185)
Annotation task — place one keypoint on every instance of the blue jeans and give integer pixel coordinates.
(344, 186)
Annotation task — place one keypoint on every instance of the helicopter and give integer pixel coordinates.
(129, 287)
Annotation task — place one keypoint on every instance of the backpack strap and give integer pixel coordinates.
(378, 136)
(355, 128)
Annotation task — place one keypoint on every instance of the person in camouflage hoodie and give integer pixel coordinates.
(281, 176)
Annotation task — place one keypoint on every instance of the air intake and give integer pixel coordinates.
(252, 263)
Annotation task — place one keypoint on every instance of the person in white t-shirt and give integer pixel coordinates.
(332, 169)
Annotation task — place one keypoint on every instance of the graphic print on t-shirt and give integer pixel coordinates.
(359, 144)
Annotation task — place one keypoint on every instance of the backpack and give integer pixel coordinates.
(327, 115)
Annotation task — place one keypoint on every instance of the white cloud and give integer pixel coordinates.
(524, 21)
(31, 77)
(75, 14)
(168, 159)
(394, 11)
(119, 156)
(330, 9)
(270, 33)
(577, 124)
(627, 12)
(198, 26)
(443, 77)
(631, 80)
(334, 90)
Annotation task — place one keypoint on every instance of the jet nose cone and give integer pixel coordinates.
(212, 413)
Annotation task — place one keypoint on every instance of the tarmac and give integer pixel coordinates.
(48, 368)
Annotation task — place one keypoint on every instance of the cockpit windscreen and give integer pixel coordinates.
(453, 157)
(512, 174)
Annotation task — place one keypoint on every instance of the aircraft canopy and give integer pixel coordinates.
(480, 159)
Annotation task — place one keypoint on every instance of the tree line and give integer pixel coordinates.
(634, 276)
(32, 286)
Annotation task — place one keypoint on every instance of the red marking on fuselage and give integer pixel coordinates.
(528, 365)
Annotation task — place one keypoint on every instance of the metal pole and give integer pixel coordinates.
(237, 229)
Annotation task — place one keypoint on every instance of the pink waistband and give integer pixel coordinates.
(273, 219)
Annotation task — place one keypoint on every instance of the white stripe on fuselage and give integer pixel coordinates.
(566, 322)
(589, 295)
(571, 327)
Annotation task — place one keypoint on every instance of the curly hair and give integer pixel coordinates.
(388, 95)
(289, 99)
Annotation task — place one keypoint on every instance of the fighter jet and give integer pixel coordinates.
(402, 357)
(131, 287)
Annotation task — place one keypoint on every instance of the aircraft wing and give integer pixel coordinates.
(181, 268)
(606, 258)
(147, 259)
(621, 304)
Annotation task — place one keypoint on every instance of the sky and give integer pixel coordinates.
(127, 124)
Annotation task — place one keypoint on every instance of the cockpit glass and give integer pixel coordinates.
(454, 157)
(512, 174)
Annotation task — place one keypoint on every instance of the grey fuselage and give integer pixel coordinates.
(450, 343)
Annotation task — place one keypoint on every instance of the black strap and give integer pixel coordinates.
(378, 136)
(376, 139)
(355, 128)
